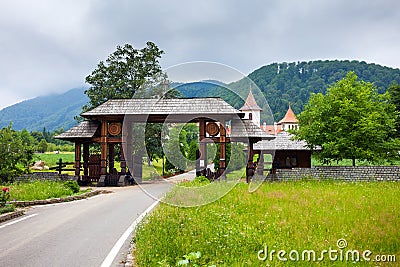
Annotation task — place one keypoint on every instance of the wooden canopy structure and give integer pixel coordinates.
(104, 125)
(287, 153)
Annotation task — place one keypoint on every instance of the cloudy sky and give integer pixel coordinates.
(50, 46)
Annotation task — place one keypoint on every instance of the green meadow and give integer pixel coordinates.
(237, 229)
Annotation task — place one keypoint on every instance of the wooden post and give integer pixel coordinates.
(60, 166)
(111, 155)
(86, 159)
(137, 166)
(222, 148)
(77, 158)
(123, 161)
(249, 167)
(103, 160)
(201, 162)
(260, 163)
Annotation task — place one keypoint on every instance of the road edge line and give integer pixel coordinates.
(17, 221)
(118, 245)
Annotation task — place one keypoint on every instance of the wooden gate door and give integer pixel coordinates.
(94, 167)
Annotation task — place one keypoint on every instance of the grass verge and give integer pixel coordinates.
(38, 190)
(300, 215)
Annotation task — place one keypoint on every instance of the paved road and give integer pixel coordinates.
(79, 233)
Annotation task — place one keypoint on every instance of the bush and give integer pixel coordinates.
(198, 181)
(7, 208)
(73, 185)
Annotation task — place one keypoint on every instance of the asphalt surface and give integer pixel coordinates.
(79, 233)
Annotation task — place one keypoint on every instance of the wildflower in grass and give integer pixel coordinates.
(5, 195)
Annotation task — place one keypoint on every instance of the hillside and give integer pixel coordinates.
(279, 82)
(52, 111)
(294, 82)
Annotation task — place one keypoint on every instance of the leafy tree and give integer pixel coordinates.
(15, 154)
(351, 121)
(193, 147)
(153, 141)
(125, 71)
(176, 147)
(42, 147)
(394, 91)
(235, 156)
(132, 73)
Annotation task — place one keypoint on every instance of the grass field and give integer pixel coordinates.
(303, 215)
(38, 190)
(51, 159)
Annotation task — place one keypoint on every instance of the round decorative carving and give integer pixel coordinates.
(114, 128)
(212, 128)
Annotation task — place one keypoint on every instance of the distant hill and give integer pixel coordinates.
(294, 82)
(197, 89)
(280, 83)
(53, 111)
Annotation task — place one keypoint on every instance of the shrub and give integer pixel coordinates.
(73, 185)
(7, 208)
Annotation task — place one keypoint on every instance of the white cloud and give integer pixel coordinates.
(52, 45)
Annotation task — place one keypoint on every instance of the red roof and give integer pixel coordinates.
(250, 103)
(289, 117)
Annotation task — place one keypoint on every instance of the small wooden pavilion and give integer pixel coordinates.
(105, 126)
(287, 153)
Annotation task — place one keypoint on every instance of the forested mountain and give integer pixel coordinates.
(197, 89)
(52, 112)
(279, 82)
(294, 82)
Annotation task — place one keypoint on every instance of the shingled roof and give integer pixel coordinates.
(281, 142)
(84, 130)
(242, 129)
(176, 106)
(250, 103)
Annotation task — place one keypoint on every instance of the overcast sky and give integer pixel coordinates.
(50, 46)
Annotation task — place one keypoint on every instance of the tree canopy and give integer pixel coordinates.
(16, 152)
(394, 91)
(351, 121)
(125, 71)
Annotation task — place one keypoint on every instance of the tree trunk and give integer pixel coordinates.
(354, 162)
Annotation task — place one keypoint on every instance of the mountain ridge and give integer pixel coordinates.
(54, 111)
(280, 83)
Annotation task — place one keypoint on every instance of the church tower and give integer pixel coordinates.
(251, 110)
(289, 121)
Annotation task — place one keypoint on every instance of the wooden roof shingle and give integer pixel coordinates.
(149, 106)
(85, 129)
(246, 129)
(282, 142)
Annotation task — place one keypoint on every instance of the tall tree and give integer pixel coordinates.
(394, 92)
(351, 121)
(15, 154)
(125, 71)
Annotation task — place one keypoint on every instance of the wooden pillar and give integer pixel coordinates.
(111, 155)
(201, 162)
(86, 159)
(260, 163)
(138, 166)
(222, 149)
(123, 161)
(77, 158)
(250, 166)
(103, 143)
